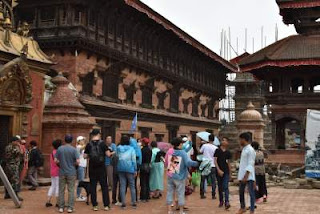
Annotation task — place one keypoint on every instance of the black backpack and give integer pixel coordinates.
(39, 162)
(97, 156)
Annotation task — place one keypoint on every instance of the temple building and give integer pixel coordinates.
(290, 71)
(23, 67)
(124, 58)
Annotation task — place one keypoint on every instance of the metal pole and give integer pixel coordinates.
(9, 188)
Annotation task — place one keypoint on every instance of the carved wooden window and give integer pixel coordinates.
(130, 91)
(185, 103)
(92, 18)
(47, 14)
(145, 132)
(159, 137)
(80, 16)
(87, 84)
(210, 108)
(195, 106)
(161, 98)
(172, 131)
(174, 100)
(147, 91)
(111, 86)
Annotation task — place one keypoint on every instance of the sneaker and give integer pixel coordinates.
(214, 197)
(95, 208)
(7, 196)
(70, 210)
(134, 206)
(123, 207)
(81, 199)
(48, 204)
(106, 208)
(227, 206)
(203, 197)
(61, 210)
(220, 204)
(143, 201)
(118, 204)
(33, 188)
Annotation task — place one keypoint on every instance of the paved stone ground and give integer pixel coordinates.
(281, 201)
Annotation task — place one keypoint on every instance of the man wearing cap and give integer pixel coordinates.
(12, 163)
(96, 151)
(81, 144)
(67, 158)
(145, 170)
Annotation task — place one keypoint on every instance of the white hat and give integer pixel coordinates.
(185, 139)
(80, 138)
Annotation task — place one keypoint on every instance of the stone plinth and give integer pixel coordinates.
(251, 120)
(63, 114)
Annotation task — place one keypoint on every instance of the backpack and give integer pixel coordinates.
(39, 162)
(97, 157)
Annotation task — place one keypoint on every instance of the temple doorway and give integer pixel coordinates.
(5, 133)
(288, 131)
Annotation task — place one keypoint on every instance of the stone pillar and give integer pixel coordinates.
(250, 120)
(63, 114)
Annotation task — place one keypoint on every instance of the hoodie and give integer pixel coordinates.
(127, 159)
(178, 163)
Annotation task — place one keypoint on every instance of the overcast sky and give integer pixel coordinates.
(204, 20)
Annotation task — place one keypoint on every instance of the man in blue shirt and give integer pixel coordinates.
(246, 174)
(108, 160)
(67, 157)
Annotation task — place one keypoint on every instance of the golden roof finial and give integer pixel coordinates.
(7, 21)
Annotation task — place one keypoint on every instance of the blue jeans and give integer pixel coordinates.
(124, 178)
(242, 188)
(80, 177)
(204, 178)
(223, 187)
(178, 186)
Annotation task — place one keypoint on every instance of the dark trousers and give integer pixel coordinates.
(212, 176)
(242, 188)
(144, 183)
(104, 188)
(116, 188)
(262, 187)
(223, 187)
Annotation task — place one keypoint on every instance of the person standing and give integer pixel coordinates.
(34, 164)
(12, 163)
(108, 160)
(177, 164)
(208, 150)
(127, 169)
(24, 162)
(96, 151)
(222, 162)
(54, 173)
(67, 158)
(260, 171)
(145, 170)
(81, 171)
(157, 171)
(246, 174)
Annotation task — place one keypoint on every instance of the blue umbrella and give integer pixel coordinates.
(216, 141)
(187, 146)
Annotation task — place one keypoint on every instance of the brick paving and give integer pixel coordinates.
(281, 201)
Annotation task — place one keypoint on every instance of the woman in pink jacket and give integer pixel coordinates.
(54, 173)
